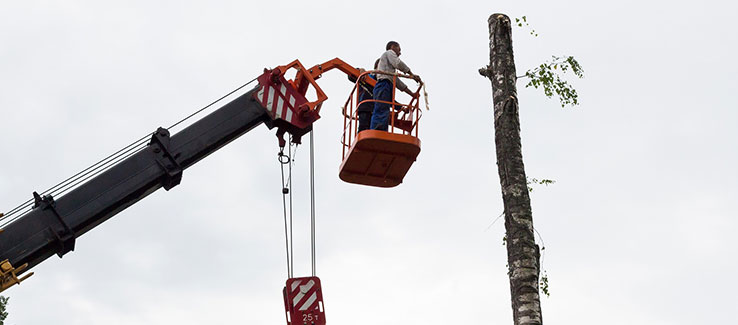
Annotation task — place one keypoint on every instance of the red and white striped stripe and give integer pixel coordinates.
(278, 102)
(304, 294)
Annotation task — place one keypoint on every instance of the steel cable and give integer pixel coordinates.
(285, 191)
(64, 186)
(73, 178)
(213, 103)
(312, 202)
(67, 187)
(101, 166)
(292, 242)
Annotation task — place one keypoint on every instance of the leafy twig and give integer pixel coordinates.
(544, 284)
(538, 182)
(546, 75)
(524, 21)
(3, 311)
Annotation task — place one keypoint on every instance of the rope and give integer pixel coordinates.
(425, 96)
(99, 167)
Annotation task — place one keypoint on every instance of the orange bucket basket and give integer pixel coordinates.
(374, 157)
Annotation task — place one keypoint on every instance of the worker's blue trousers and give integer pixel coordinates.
(380, 116)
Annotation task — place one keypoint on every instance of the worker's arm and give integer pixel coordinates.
(396, 63)
(403, 87)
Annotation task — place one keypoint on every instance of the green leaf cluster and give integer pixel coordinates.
(536, 181)
(547, 76)
(524, 21)
(544, 284)
(3, 312)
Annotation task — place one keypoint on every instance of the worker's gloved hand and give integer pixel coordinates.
(416, 78)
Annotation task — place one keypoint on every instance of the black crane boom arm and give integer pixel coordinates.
(54, 224)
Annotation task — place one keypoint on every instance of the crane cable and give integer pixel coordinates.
(99, 167)
(287, 191)
(288, 159)
(312, 202)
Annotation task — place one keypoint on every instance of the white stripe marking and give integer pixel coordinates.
(289, 115)
(295, 285)
(303, 290)
(280, 101)
(297, 298)
(310, 301)
(292, 101)
(270, 101)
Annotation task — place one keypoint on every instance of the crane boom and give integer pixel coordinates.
(53, 225)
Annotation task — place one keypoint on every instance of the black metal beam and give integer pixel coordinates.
(53, 224)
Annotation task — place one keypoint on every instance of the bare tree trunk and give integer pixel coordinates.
(522, 252)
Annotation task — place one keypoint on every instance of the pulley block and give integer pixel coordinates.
(303, 301)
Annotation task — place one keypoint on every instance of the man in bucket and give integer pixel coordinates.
(389, 62)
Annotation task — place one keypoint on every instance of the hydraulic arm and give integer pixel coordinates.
(54, 224)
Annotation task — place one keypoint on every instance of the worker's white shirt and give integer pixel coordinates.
(390, 62)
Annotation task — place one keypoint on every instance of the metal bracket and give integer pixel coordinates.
(9, 275)
(65, 237)
(165, 158)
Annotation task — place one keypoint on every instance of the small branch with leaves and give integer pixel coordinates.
(524, 21)
(536, 181)
(3, 311)
(546, 75)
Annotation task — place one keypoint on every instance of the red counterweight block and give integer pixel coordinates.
(303, 301)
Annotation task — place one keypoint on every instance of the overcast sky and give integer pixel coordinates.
(637, 227)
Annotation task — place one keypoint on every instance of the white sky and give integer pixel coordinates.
(637, 227)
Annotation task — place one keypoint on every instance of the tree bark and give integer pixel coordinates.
(523, 254)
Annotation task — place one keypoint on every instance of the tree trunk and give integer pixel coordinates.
(522, 252)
